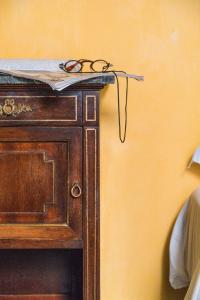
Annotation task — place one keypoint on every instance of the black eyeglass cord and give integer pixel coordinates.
(122, 137)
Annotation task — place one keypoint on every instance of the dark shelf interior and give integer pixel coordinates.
(37, 274)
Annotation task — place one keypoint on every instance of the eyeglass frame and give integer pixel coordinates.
(122, 137)
(81, 62)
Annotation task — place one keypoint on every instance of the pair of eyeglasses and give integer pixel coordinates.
(101, 66)
(76, 66)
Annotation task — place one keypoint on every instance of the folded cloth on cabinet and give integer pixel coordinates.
(185, 249)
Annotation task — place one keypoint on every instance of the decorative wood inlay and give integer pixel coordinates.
(11, 109)
(9, 98)
(90, 98)
(91, 210)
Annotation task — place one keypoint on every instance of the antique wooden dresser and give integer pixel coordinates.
(49, 191)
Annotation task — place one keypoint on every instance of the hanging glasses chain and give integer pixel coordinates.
(101, 66)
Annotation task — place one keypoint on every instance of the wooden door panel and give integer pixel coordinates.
(37, 170)
(25, 189)
(35, 186)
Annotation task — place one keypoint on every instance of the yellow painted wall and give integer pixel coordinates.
(145, 181)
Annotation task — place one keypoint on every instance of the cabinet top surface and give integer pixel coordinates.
(8, 79)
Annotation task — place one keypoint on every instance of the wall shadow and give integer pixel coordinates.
(195, 170)
(166, 291)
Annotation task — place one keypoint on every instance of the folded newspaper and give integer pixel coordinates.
(48, 71)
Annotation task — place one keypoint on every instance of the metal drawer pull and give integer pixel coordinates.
(76, 190)
(9, 108)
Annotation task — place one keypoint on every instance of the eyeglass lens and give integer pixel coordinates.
(73, 66)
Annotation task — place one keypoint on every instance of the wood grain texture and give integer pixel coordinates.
(71, 151)
(90, 108)
(40, 243)
(29, 188)
(38, 168)
(45, 109)
(37, 297)
(91, 215)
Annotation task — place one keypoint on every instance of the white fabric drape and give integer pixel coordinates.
(185, 248)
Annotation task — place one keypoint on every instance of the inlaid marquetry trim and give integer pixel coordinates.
(45, 160)
(86, 108)
(87, 209)
(49, 161)
(75, 119)
(87, 213)
(67, 183)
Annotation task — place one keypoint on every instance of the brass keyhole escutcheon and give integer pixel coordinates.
(76, 190)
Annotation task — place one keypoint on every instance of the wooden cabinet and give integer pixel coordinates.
(49, 192)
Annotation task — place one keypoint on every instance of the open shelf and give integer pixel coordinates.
(41, 274)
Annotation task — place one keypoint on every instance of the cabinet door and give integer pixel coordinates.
(40, 184)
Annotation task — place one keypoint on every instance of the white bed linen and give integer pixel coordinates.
(185, 248)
